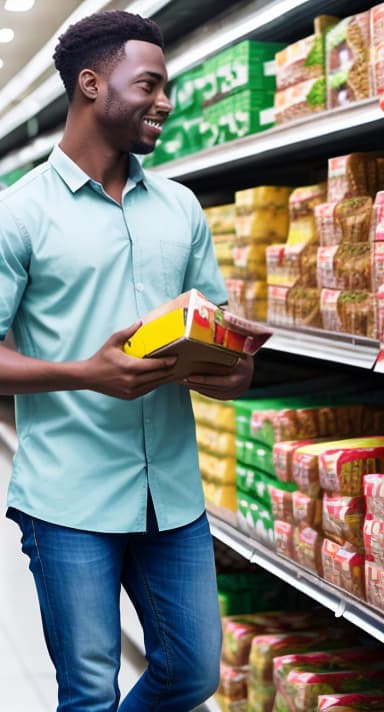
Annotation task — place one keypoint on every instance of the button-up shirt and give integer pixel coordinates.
(76, 266)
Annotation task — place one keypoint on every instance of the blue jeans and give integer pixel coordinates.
(170, 578)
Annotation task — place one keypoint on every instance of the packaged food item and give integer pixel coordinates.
(208, 411)
(263, 197)
(233, 686)
(343, 464)
(377, 218)
(239, 630)
(347, 60)
(374, 584)
(250, 260)
(247, 298)
(373, 533)
(216, 468)
(301, 61)
(350, 176)
(349, 312)
(221, 218)
(328, 227)
(377, 50)
(350, 563)
(302, 99)
(306, 510)
(255, 519)
(281, 504)
(331, 569)
(302, 202)
(346, 266)
(282, 457)
(343, 519)
(283, 537)
(348, 220)
(373, 489)
(350, 701)
(307, 545)
(215, 441)
(289, 265)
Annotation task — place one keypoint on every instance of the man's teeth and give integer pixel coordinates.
(155, 124)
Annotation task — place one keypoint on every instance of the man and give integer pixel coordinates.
(105, 484)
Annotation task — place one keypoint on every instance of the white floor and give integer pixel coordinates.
(27, 680)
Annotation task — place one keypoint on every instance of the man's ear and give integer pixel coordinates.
(88, 84)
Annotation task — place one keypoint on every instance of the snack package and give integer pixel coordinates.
(202, 336)
(233, 686)
(208, 411)
(307, 545)
(302, 202)
(331, 570)
(348, 220)
(221, 219)
(303, 99)
(350, 701)
(294, 306)
(343, 464)
(255, 519)
(215, 441)
(346, 266)
(374, 584)
(377, 218)
(343, 519)
(347, 60)
(247, 298)
(282, 457)
(288, 265)
(373, 489)
(281, 504)
(306, 510)
(283, 536)
(373, 534)
(238, 632)
(350, 176)
(350, 563)
(377, 49)
(349, 312)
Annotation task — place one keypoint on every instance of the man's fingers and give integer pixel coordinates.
(120, 337)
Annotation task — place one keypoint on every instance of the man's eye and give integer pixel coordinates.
(146, 85)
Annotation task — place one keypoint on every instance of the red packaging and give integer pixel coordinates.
(374, 584)
(373, 486)
(331, 571)
(373, 533)
(307, 511)
(307, 545)
(343, 519)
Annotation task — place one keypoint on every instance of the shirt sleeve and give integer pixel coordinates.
(203, 272)
(14, 260)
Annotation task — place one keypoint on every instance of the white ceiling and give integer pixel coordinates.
(32, 29)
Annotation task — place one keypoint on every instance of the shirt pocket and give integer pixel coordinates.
(174, 260)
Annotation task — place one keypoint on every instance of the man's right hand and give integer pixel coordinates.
(114, 373)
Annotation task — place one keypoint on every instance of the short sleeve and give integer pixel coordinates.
(14, 261)
(203, 272)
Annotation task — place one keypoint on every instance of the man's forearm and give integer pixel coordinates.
(23, 374)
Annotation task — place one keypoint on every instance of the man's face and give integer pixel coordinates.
(134, 105)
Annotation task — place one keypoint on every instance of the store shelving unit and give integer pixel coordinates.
(342, 604)
(236, 165)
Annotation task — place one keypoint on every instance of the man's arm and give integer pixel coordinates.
(109, 371)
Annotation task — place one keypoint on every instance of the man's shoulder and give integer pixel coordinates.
(26, 185)
(169, 186)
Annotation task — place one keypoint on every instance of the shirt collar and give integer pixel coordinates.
(76, 178)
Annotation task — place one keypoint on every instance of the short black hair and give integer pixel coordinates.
(97, 42)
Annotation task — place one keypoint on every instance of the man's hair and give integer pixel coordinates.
(97, 42)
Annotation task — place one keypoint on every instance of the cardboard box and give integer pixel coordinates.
(204, 337)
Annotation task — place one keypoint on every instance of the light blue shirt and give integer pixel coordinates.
(75, 266)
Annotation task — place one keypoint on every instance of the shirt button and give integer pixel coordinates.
(139, 287)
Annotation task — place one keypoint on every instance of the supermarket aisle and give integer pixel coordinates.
(27, 680)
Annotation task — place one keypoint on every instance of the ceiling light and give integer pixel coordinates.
(6, 34)
(19, 5)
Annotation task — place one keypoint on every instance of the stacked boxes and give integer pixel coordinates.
(300, 75)
(261, 218)
(373, 534)
(243, 96)
(221, 221)
(215, 433)
(293, 297)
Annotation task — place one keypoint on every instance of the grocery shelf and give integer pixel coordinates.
(280, 141)
(327, 346)
(342, 604)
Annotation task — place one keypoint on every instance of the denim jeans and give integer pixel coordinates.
(170, 578)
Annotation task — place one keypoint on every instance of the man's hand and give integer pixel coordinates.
(224, 387)
(114, 373)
